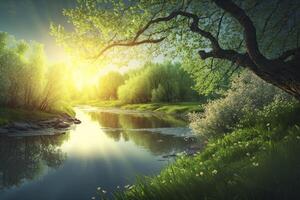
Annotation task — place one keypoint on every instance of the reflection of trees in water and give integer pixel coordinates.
(155, 142)
(131, 121)
(25, 158)
(106, 119)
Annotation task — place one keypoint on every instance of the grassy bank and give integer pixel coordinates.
(8, 115)
(259, 160)
(169, 108)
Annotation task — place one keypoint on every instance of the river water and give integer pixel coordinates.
(110, 148)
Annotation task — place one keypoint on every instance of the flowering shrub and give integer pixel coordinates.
(247, 97)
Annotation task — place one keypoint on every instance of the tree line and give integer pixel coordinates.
(164, 82)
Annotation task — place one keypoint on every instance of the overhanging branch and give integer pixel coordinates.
(128, 44)
(249, 30)
(194, 28)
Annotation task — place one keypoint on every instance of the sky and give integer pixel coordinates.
(30, 20)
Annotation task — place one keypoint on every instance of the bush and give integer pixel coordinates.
(247, 96)
(135, 90)
(26, 81)
(157, 83)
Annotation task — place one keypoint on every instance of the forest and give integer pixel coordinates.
(179, 99)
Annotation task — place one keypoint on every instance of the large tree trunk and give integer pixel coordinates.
(279, 72)
(286, 76)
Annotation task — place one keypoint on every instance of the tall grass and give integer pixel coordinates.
(259, 160)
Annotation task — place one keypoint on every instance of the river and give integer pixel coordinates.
(110, 148)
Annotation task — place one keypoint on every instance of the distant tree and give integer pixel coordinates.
(158, 83)
(109, 84)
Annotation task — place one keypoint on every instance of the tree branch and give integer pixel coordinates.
(288, 53)
(249, 30)
(130, 43)
(243, 60)
(194, 28)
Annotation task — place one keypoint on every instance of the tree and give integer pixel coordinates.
(163, 82)
(55, 87)
(11, 65)
(109, 84)
(33, 75)
(260, 35)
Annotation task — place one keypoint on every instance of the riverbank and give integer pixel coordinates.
(8, 115)
(178, 108)
(15, 121)
(258, 160)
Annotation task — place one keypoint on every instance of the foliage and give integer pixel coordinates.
(258, 161)
(55, 89)
(109, 84)
(8, 115)
(247, 95)
(99, 24)
(26, 81)
(20, 77)
(157, 83)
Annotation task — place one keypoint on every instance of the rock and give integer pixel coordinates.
(20, 126)
(3, 131)
(35, 126)
(62, 125)
(49, 122)
(64, 115)
(77, 121)
(59, 124)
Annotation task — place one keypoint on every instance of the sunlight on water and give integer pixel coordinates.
(88, 139)
(107, 149)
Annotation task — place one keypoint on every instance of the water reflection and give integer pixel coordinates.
(107, 149)
(26, 158)
(134, 120)
(147, 131)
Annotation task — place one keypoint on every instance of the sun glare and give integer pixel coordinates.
(87, 75)
(88, 140)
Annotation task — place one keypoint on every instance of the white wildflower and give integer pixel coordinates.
(214, 172)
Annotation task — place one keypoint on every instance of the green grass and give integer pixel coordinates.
(169, 108)
(63, 108)
(8, 115)
(259, 161)
(112, 103)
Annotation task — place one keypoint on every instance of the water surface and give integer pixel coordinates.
(108, 149)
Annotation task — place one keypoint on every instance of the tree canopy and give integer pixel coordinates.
(26, 79)
(261, 35)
